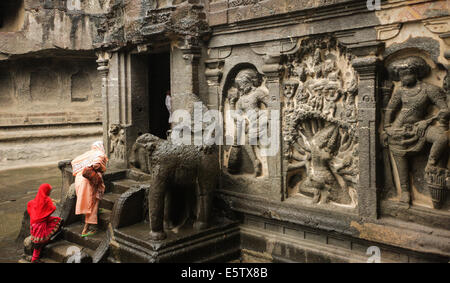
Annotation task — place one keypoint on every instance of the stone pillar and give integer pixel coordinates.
(367, 67)
(272, 70)
(213, 75)
(191, 54)
(103, 69)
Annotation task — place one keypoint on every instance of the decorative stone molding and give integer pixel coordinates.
(275, 47)
(213, 71)
(103, 62)
(191, 49)
(181, 21)
(272, 67)
(220, 53)
(388, 32)
(438, 26)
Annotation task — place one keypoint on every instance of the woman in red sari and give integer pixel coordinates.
(42, 225)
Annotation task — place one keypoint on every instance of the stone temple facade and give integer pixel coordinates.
(361, 169)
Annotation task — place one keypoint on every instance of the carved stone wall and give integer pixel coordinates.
(48, 101)
(50, 90)
(361, 129)
(345, 164)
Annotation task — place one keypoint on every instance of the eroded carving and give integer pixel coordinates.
(408, 126)
(117, 142)
(170, 165)
(319, 124)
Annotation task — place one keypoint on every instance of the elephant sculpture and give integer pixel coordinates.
(176, 165)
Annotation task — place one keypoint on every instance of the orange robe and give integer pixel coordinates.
(88, 196)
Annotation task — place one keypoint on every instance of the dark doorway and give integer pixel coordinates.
(159, 84)
(12, 14)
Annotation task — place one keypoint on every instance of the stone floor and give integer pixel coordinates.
(17, 187)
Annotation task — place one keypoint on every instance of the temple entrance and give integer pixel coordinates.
(159, 85)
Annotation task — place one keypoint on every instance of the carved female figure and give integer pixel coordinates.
(407, 134)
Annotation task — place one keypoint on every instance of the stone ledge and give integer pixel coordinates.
(386, 231)
(22, 135)
(305, 244)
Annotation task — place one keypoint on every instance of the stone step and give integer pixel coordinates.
(104, 218)
(61, 251)
(109, 200)
(121, 186)
(72, 234)
(43, 260)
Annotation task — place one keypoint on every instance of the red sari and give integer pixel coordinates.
(42, 225)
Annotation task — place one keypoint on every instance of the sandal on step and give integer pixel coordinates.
(90, 233)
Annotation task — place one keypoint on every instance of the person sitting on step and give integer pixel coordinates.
(42, 225)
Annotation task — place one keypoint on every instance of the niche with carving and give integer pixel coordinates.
(319, 121)
(414, 130)
(244, 96)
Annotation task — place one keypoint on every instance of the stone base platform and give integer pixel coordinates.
(220, 243)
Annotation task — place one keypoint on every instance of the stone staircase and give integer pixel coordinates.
(63, 248)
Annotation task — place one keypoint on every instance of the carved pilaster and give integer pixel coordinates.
(191, 54)
(103, 69)
(272, 69)
(367, 67)
(213, 75)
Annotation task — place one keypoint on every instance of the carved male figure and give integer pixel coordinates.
(407, 134)
(250, 98)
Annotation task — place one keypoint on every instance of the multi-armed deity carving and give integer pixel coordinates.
(319, 122)
(245, 98)
(409, 125)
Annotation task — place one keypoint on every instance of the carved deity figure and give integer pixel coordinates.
(117, 137)
(290, 90)
(250, 98)
(407, 134)
(321, 145)
(332, 92)
(321, 181)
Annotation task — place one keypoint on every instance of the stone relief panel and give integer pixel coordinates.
(319, 121)
(245, 96)
(414, 131)
(117, 142)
